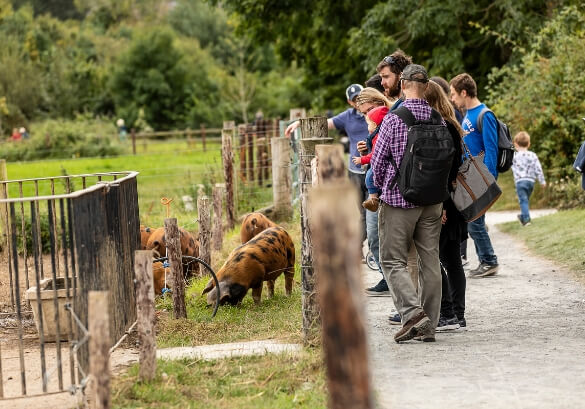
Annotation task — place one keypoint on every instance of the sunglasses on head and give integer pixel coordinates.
(388, 60)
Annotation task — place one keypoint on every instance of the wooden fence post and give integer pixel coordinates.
(313, 130)
(99, 348)
(217, 234)
(260, 141)
(331, 165)
(189, 139)
(133, 137)
(4, 207)
(173, 240)
(281, 178)
(204, 213)
(145, 314)
(250, 142)
(203, 137)
(243, 141)
(227, 158)
(336, 239)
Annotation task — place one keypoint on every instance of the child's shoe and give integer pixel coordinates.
(371, 204)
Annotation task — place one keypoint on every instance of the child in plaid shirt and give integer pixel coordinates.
(526, 168)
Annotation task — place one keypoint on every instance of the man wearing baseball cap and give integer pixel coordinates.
(352, 122)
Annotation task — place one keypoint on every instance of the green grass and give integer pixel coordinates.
(558, 237)
(509, 201)
(271, 381)
(167, 169)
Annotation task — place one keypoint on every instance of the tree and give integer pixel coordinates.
(152, 76)
(544, 93)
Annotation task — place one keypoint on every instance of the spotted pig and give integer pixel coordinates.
(264, 258)
(253, 224)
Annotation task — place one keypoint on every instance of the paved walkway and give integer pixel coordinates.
(524, 346)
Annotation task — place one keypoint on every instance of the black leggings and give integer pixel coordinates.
(453, 278)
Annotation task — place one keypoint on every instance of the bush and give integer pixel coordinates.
(566, 192)
(53, 139)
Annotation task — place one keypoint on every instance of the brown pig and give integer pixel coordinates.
(145, 233)
(189, 247)
(253, 224)
(264, 258)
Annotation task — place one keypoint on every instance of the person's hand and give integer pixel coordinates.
(291, 128)
(362, 147)
(444, 217)
(357, 160)
(544, 185)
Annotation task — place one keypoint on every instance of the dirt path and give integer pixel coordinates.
(524, 346)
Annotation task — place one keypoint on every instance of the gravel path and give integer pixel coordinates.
(524, 346)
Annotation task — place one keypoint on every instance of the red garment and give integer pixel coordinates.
(365, 160)
(16, 136)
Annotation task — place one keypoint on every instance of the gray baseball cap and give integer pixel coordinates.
(353, 91)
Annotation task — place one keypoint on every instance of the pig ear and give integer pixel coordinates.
(208, 287)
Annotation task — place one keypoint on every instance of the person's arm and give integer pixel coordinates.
(292, 127)
(539, 172)
(489, 133)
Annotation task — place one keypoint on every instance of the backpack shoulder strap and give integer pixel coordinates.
(405, 115)
(436, 118)
(482, 113)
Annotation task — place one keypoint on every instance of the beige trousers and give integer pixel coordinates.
(397, 229)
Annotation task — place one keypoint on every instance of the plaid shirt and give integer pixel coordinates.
(392, 139)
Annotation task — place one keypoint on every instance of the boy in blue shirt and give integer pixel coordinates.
(464, 96)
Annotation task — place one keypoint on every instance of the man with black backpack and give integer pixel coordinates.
(481, 128)
(411, 165)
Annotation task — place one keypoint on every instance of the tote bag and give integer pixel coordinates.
(475, 189)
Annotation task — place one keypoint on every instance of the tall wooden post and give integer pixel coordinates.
(145, 314)
(204, 213)
(281, 178)
(203, 137)
(227, 158)
(260, 159)
(312, 130)
(173, 240)
(336, 239)
(99, 348)
(250, 141)
(217, 233)
(331, 165)
(4, 207)
(243, 141)
(133, 137)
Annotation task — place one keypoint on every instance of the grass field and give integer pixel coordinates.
(558, 237)
(169, 169)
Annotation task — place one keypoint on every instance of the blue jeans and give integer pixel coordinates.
(481, 239)
(373, 237)
(370, 182)
(524, 190)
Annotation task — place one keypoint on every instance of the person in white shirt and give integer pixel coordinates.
(527, 169)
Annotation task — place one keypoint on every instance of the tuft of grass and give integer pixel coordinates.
(558, 237)
(277, 381)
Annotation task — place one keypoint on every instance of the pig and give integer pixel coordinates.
(145, 233)
(189, 247)
(253, 224)
(264, 258)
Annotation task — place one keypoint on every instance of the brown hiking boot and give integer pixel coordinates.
(371, 204)
(420, 324)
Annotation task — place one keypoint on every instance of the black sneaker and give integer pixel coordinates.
(524, 222)
(484, 270)
(395, 319)
(447, 324)
(379, 290)
(462, 323)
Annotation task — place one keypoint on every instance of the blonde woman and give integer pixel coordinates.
(454, 230)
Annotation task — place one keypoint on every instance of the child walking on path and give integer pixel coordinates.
(526, 168)
(373, 118)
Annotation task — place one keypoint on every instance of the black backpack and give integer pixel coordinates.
(505, 145)
(424, 171)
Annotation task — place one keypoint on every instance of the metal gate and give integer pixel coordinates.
(62, 237)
